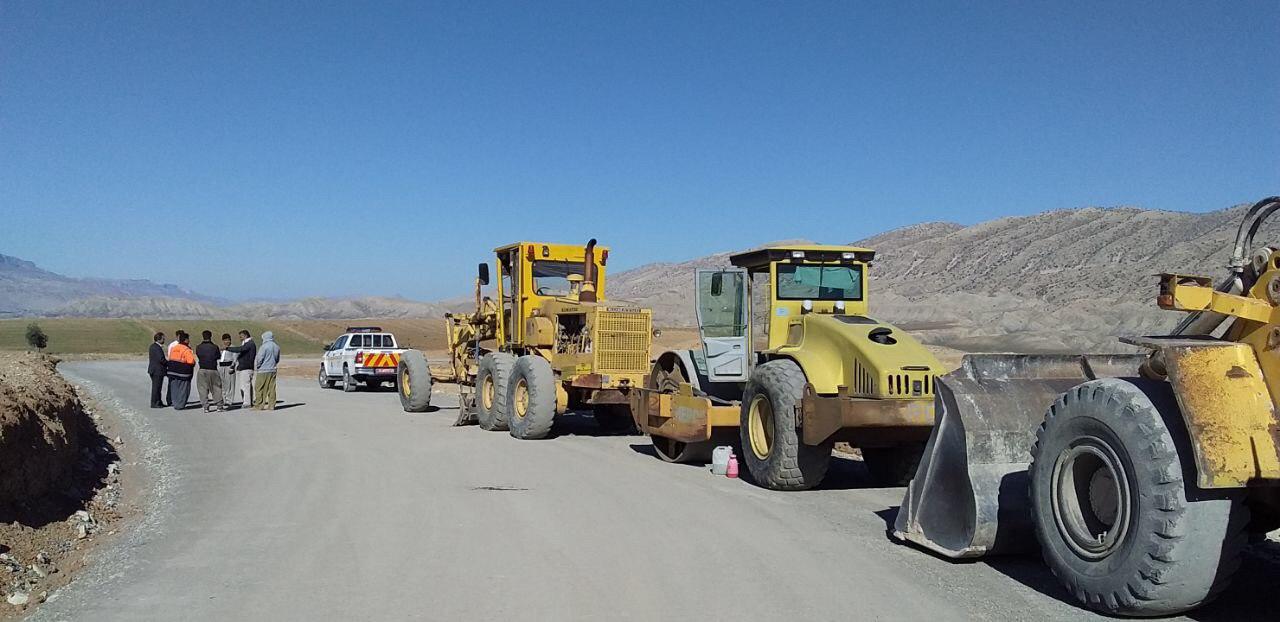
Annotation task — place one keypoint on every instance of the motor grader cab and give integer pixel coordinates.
(548, 342)
(1141, 477)
(828, 372)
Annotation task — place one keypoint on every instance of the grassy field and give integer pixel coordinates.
(296, 337)
(124, 336)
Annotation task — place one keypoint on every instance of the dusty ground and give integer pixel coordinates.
(60, 490)
(340, 506)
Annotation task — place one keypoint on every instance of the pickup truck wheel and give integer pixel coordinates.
(348, 383)
(325, 381)
(413, 381)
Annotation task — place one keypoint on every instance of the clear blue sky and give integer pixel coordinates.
(270, 149)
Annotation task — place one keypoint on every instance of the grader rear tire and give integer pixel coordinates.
(775, 455)
(1120, 523)
(531, 398)
(892, 466)
(413, 381)
(491, 390)
(614, 418)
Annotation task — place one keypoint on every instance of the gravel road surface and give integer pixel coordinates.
(340, 506)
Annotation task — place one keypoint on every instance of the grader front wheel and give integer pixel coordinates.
(413, 381)
(531, 398)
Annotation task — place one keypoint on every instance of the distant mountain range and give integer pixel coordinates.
(27, 289)
(1064, 280)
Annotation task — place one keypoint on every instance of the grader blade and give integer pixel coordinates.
(969, 497)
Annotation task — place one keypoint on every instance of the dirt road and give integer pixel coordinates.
(340, 506)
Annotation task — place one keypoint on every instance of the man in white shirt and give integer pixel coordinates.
(227, 372)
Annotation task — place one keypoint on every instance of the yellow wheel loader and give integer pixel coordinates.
(550, 343)
(829, 373)
(1141, 477)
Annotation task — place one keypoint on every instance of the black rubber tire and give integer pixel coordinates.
(325, 381)
(413, 374)
(533, 373)
(614, 419)
(496, 366)
(789, 464)
(348, 383)
(1180, 544)
(892, 466)
(671, 450)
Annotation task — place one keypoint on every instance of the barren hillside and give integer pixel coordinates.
(1058, 281)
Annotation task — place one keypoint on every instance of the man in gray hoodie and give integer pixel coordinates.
(264, 373)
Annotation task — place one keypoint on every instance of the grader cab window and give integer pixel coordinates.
(813, 282)
(551, 278)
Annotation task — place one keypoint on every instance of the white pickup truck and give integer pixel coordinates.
(363, 354)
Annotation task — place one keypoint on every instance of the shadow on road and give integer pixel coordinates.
(1250, 596)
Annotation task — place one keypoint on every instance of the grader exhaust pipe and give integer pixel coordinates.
(589, 281)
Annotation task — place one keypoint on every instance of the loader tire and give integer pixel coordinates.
(491, 390)
(413, 382)
(775, 455)
(614, 419)
(1116, 508)
(892, 466)
(531, 398)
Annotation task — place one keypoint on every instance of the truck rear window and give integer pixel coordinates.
(372, 341)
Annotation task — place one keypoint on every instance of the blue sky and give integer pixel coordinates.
(276, 149)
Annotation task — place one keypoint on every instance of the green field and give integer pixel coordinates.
(128, 336)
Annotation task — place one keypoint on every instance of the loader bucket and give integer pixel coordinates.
(969, 497)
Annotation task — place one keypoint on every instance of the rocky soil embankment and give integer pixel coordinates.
(59, 480)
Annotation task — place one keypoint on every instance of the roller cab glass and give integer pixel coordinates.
(818, 282)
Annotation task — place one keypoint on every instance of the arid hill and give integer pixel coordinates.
(1064, 280)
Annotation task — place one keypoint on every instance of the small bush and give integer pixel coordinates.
(36, 337)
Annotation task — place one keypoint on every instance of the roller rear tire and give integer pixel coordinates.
(892, 466)
(775, 455)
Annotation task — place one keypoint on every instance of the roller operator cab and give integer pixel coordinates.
(548, 342)
(828, 372)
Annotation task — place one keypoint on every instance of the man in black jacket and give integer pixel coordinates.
(208, 383)
(246, 352)
(156, 368)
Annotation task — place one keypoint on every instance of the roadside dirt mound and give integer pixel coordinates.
(43, 427)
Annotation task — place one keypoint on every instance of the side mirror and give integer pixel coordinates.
(328, 346)
(483, 275)
(717, 283)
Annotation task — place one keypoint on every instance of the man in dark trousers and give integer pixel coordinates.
(208, 382)
(156, 368)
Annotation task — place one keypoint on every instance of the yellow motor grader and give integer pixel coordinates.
(549, 344)
(828, 373)
(1143, 476)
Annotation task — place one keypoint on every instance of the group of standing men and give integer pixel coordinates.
(222, 375)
